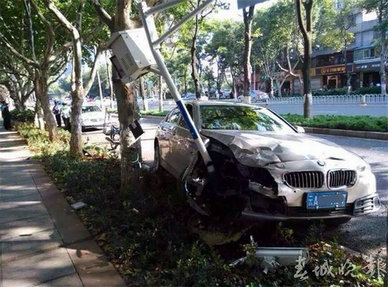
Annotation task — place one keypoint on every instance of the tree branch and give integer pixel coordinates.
(76, 40)
(50, 33)
(93, 72)
(299, 18)
(102, 13)
(16, 52)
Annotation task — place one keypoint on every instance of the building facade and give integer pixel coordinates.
(362, 60)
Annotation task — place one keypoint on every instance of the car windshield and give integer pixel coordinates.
(89, 109)
(242, 118)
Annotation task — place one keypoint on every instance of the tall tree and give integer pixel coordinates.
(226, 47)
(78, 91)
(274, 38)
(17, 79)
(121, 18)
(46, 56)
(335, 32)
(305, 27)
(380, 7)
(248, 17)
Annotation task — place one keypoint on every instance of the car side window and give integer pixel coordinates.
(182, 122)
(173, 118)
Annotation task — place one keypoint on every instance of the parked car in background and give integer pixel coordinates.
(92, 117)
(188, 96)
(257, 96)
(226, 94)
(266, 167)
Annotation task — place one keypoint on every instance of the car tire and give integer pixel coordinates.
(336, 222)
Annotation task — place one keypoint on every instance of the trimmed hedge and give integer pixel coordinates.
(26, 116)
(342, 91)
(154, 113)
(357, 123)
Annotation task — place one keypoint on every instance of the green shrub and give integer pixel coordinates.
(362, 123)
(147, 239)
(22, 116)
(342, 91)
(154, 113)
(38, 139)
(367, 90)
(332, 92)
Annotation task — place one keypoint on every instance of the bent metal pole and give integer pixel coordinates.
(148, 20)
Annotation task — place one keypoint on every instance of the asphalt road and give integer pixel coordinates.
(349, 109)
(367, 234)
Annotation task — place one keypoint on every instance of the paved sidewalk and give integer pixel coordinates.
(42, 241)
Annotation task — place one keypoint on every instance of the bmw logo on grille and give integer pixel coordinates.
(320, 162)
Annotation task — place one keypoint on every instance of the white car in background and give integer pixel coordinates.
(92, 117)
(256, 96)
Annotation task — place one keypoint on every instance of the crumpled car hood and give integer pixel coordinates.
(254, 149)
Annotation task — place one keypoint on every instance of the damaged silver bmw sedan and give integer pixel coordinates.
(266, 168)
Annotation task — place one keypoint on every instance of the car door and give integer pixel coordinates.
(166, 144)
(183, 143)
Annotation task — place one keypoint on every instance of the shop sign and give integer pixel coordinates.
(330, 70)
(367, 67)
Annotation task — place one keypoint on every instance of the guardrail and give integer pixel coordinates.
(351, 99)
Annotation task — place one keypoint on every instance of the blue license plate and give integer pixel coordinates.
(322, 200)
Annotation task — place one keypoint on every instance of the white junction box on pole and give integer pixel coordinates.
(132, 54)
(241, 4)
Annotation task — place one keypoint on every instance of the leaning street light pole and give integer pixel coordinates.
(154, 42)
(134, 57)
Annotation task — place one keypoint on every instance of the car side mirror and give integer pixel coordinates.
(300, 129)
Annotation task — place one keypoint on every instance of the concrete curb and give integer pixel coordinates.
(92, 266)
(326, 131)
(348, 133)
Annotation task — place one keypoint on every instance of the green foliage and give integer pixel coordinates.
(367, 90)
(154, 113)
(331, 92)
(342, 91)
(22, 116)
(361, 123)
(38, 139)
(145, 236)
(336, 24)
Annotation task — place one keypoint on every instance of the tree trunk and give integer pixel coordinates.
(15, 95)
(40, 84)
(194, 60)
(383, 55)
(142, 94)
(160, 94)
(38, 118)
(271, 88)
(306, 30)
(280, 85)
(235, 91)
(100, 90)
(185, 81)
(109, 79)
(348, 84)
(126, 107)
(248, 17)
(130, 153)
(76, 126)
